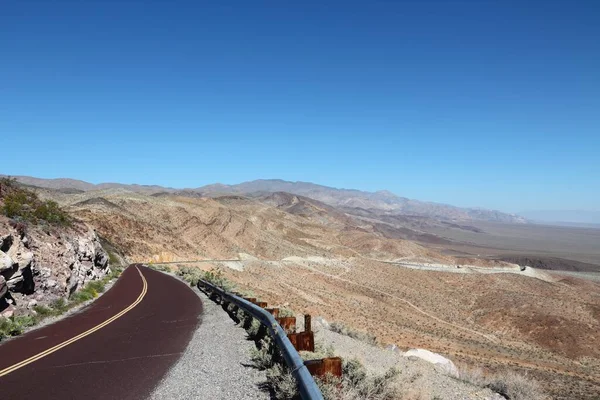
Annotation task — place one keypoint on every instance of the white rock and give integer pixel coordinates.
(438, 360)
(5, 261)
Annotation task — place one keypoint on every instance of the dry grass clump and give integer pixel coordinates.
(509, 384)
(356, 384)
(343, 329)
(283, 383)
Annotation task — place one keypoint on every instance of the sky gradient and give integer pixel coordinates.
(474, 103)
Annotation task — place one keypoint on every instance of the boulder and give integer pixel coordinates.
(6, 262)
(439, 361)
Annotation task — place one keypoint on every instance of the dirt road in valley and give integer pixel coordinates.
(117, 348)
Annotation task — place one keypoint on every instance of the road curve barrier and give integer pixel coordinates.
(267, 317)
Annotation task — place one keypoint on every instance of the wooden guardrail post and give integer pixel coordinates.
(262, 304)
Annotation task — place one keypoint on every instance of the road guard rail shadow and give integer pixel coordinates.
(306, 384)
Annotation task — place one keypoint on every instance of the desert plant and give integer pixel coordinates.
(43, 311)
(24, 204)
(282, 382)
(189, 274)
(215, 276)
(343, 329)
(507, 383)
(515, 386)
(357, 384)
(262, 356)
(286, 312)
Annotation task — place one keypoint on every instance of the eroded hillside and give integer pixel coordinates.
(323, 261)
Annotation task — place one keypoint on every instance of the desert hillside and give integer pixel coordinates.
(322, 260)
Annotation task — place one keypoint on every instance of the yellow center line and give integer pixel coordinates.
(59, 346)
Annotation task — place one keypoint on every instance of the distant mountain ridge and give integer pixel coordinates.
(347, 199)
(382, 200)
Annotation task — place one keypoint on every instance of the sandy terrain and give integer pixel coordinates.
(322, 262)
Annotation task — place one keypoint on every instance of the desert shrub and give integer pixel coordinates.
(356, 384)
(507, 383)
(115, 272)
(515, 386)
(43, 311)
(215, 276)
(24, 204)
(90, 291)
(59, 305)
(286, 312)
(342, 329)
(321, 351)
(262, 356)
(189, 274)
(81, 297)
(254, 329)
(282, 382)
(15, 325)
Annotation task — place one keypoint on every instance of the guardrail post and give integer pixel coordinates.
(287, 323)
(325, 366)
(262, 304)
(307, 386)
(273, 311)
(307, 323)
(303, 341)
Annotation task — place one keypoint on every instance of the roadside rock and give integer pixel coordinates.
(43, 263)
(440, 361)
(5, 262)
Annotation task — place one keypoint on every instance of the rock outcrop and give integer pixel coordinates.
(442, 362)
(40, 263)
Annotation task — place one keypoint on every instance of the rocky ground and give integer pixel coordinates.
(325, 262)
(418, 378)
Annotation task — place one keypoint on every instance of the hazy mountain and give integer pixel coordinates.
(564, 216)
(383, 201)
(77, 185)
(350, 198)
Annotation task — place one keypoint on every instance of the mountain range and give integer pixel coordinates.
(346, 199)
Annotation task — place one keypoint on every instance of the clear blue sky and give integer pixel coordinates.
(473, 103)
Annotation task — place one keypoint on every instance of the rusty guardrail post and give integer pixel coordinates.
(322, 368)
(306, 384)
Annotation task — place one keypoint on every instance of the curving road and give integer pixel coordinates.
(119, 347)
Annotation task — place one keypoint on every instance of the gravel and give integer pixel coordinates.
(216, 364)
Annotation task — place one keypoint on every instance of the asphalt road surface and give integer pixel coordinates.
(119, 347)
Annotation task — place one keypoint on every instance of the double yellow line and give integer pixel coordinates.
(43, 354)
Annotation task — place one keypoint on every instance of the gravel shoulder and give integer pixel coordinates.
(216, 363)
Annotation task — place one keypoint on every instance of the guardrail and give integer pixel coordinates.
(306, 384)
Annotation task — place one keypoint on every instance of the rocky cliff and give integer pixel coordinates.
(40, 263)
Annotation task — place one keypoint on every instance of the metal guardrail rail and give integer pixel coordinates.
(306, 384)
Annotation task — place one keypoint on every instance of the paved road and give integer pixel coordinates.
(118, 348)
